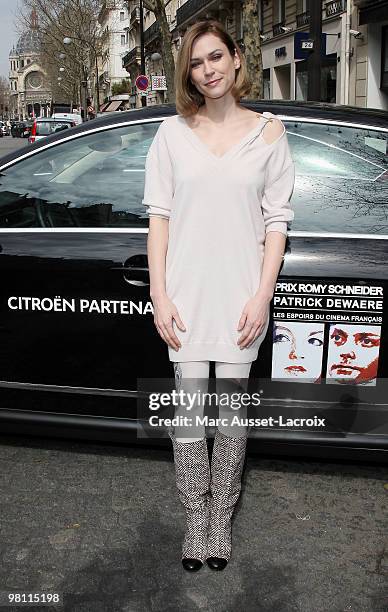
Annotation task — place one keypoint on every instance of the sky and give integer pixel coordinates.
(8, 34)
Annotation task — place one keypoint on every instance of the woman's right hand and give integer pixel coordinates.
(165, 312)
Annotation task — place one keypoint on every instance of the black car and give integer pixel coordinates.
(21, 129)
(79, 349)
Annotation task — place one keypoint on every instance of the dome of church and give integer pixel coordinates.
(28, 42)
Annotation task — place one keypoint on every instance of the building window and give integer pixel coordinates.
(122, 15)
(22, 63)
(123, 40)
(279, 10)
(267, 84)
(302, 6)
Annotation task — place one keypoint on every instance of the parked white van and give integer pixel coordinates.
(73, 116)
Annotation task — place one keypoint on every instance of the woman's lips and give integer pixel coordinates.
(213, 83)
(296, 368)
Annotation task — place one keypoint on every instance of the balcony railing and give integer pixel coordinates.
(302, 19)
(131, 57)
(135, 15)
(152, 32)
(190, 8)
(334, 8)
(276, 31)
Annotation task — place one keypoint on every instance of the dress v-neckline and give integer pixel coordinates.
(232, 150)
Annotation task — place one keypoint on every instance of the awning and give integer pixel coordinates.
(114, 105)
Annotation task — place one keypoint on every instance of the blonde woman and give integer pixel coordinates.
(218, 180)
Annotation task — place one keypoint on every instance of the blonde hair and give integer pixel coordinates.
(187, 98)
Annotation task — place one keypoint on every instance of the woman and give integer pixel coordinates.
(297, 351)
(218, 180)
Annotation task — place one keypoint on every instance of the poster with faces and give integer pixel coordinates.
(327, 333)
(297, 351)
(353, 354)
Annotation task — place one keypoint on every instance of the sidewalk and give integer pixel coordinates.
(102, 524)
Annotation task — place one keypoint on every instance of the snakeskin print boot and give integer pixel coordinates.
(193, 483)
(226, 471)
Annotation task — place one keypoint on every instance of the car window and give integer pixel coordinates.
(95, 180)
(44, 128)
(341, 182)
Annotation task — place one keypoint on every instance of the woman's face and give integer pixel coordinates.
(297, 350)
(211, 60)
(353, 353)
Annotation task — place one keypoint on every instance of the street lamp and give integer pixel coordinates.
(67, 41)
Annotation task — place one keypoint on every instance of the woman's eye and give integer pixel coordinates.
(281, 338)
(216, 57)
(315, 341)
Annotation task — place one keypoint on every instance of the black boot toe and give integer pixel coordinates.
(217, 563)
(192, 565)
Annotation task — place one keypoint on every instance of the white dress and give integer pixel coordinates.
(219, 211)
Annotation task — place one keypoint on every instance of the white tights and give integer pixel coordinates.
(193, 376)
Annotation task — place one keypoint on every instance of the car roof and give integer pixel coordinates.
(53, 119)
(291, 108)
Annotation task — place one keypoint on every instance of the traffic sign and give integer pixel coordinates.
(142, 82)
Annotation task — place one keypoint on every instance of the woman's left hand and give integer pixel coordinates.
(253, 319)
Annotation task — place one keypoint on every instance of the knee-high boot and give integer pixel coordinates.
(193, 482)
(226, 470)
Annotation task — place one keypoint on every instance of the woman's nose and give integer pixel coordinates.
(207, 68)
(293, 355)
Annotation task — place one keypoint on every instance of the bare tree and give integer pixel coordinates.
(4, 97)
(252, 43)
(75, 20)
(158, 8)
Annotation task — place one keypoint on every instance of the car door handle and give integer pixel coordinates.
(135, 271)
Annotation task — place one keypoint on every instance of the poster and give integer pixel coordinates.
(327, 333)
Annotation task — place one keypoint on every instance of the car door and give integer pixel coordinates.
(77, 327)
(325, 354)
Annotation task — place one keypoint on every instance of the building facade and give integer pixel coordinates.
(30, 94)
(353, 46)
(113, 21)
(369, 77)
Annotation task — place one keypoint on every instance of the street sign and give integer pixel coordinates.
(142, 82)
(303, 45)
(158, 82)
(307, 44)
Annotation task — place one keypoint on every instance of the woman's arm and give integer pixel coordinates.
(157, 244)
(158, 196)
(165, 310)
(276, 209)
